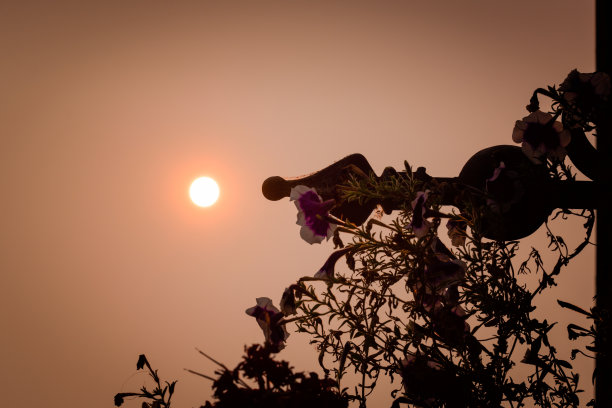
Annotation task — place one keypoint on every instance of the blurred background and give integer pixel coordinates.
(108, 111)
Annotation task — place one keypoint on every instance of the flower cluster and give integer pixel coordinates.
(586, 96)
(582, 101)
(445, 319)
(411, 306)
(587, 88)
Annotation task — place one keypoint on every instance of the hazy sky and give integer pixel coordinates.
(109, 109)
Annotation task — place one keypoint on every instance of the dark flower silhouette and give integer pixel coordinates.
(287, 302)
(277, 385)
(142, 361)
(586, 94)
(419, 224)
(269, 319)
(541, 137)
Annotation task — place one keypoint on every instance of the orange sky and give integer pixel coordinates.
(110, 109)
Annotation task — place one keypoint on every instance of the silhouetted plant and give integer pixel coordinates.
(448, 322)
(451, 323)
(404, 306)
(159, 397)
(259, 381)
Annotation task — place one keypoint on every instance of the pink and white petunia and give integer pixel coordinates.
(586, 88)
(541, 137)
(269, 319)
(313, 214)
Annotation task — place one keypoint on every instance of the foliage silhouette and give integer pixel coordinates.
(452, 321)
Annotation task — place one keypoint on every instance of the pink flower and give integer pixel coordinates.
(541, 137)
(269, 319)
(586, 95)
(419, 224)
(313, 214)
(583, 88)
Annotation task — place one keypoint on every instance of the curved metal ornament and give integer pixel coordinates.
(509, 206)
(517, 202)
(326, 182)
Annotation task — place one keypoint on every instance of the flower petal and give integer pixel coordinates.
(309, 236)
(313, 214)
(419, 224)
(298, 191)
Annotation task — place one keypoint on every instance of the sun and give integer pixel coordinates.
(204, 191)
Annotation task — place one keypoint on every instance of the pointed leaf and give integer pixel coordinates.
(574, 308)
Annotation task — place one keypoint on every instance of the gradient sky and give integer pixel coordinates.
(109, 109)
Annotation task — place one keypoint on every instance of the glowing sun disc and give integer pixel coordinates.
(204, 191)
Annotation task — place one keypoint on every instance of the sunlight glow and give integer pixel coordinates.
(204, 191)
